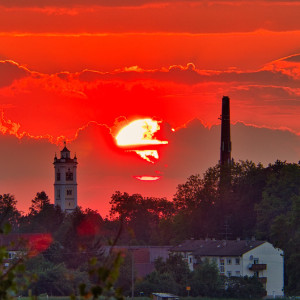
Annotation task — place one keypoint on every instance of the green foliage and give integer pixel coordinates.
(103, 277)
(170, 276)
(12, 277)
(43, 216)
(206, 281)
(244, 287)
(52, 279)
(8, 211)
(124, 281)
(157, 282)
(140, 216)
(279, 215)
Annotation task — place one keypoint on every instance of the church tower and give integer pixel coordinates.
(65, 184)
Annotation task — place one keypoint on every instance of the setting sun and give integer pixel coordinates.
(139, 132)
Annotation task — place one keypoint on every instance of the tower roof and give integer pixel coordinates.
(65, 156)
(65, 150)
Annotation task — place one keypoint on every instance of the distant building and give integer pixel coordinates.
(65, 184)
(238, 258)
(143, 256)
(21, 244)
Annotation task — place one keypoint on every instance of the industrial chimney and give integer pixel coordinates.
(225, 155)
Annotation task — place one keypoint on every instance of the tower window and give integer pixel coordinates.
(58, 176)
(69, 192)
(69, 175)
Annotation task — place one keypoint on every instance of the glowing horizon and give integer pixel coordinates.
(162, 65)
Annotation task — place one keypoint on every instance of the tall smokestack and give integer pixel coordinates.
(225, 155)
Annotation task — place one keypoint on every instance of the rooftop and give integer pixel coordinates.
(217, 247)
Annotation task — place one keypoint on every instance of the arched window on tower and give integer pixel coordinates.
(69, 175)
(58, 176)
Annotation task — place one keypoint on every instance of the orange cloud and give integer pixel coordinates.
(71, 100)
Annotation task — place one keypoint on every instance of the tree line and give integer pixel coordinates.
(260, 201)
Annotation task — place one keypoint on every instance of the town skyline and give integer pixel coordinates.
(82, 70)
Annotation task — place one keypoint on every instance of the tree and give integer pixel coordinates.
(43, 216)
(12, 278)
(279, 215)
(206, 281)
(244, 287)
(54, 279)
(194, 202)
(158, 282)
(170, 276)
(140, 216)
(40, 202)
(202, 208)
(8, 211)
(80, 235)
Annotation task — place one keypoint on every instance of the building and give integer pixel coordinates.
(238, 258)
(143, 256)
(65, 184)
(20, 245)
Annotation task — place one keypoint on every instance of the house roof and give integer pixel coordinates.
(217, 247)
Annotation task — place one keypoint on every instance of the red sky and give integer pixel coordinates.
(76, 68)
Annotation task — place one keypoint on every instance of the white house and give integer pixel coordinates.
(239, 258)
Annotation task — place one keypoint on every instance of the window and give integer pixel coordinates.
(222, 268)
(237, 273)
(255, 261)
(69, 175)
(237, 261)
(190, 260)
(228, 273)
(57, 194)
(228, 261)
(69, 192)
(58, 176)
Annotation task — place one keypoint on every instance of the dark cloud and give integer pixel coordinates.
(293, 58)
(103, 168)
(190, 75)
(10, 71)
(131, 92)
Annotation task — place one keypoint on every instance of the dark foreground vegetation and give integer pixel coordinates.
(260, 201)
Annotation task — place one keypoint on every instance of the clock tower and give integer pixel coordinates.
(65, 183)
